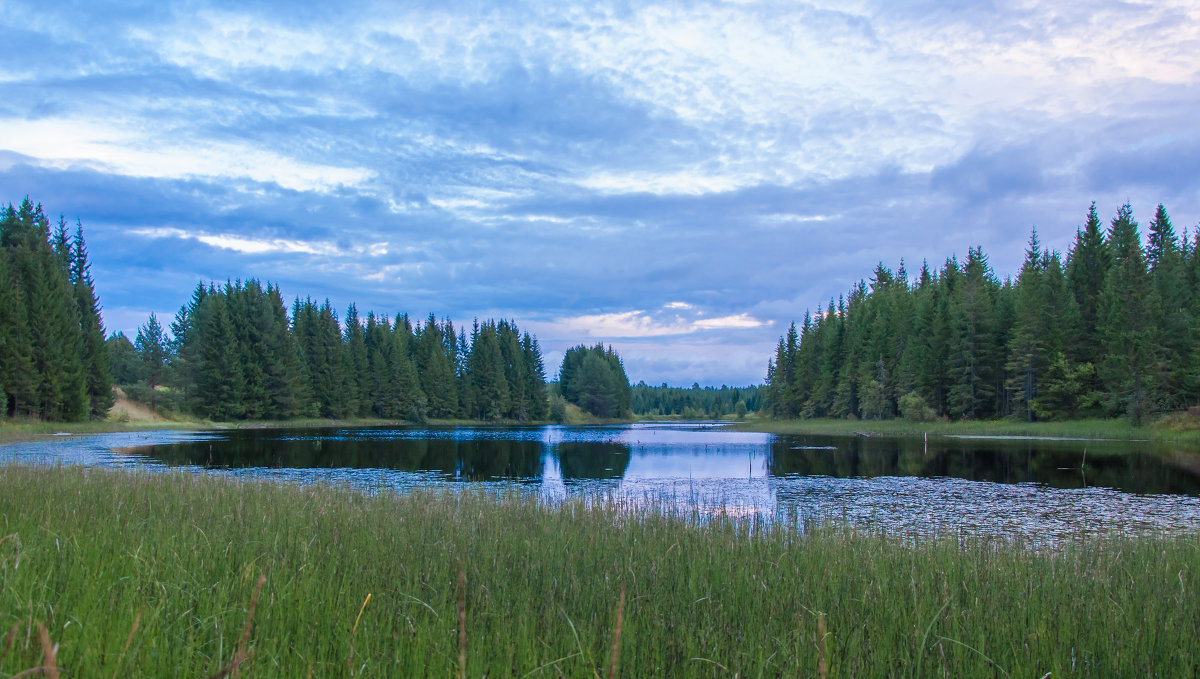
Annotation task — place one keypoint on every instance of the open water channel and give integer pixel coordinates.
(1040, 489)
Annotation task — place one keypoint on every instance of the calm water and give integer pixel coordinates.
(1033, 487)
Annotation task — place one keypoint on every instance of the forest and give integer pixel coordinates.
(53, 361)
(695, 402)
(234, 353)
(1109, 329)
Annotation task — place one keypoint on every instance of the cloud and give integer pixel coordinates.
(680, 180)
(641, 324)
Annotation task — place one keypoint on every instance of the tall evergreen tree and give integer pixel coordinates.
(151, 347)
(1129, 311)
(97, 362)
(1172, 339)
(970, 352)
(357, 367)
(17, 378)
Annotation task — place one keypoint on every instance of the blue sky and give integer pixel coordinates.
(680, 180)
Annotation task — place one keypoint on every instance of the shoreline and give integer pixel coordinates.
(1180, 431)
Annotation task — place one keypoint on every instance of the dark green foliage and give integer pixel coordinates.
(151, 347)
(17, 378)
(358, 379)
(694, 402)
(319, 337)
(97, 363)
(488, 393)
(594, 379)
(435, 364)
(1111, 330)
(53, 365)
(126, 365)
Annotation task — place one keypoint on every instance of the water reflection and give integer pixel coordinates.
(1035, 488)
(450, 457)
(602, 460)
(1051, 462)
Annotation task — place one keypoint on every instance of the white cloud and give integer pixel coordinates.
(126, 148)
(640, 324)
(244, 245)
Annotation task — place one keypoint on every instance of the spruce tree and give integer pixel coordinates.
(435, 368)
(151, 347)
(218, 367)
(358, 399)
(538, 407)
(17, 378)
(1088, 263)
(970, 351)
(485, 368)
(1128, 314)
(1172, 339)
(97, 362)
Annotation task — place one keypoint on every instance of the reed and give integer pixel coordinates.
(139, 574)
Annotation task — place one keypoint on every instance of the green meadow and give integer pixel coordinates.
(111, 574)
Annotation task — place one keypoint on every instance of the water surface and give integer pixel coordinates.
(1035, 488)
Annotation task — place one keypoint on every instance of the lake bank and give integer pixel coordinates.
(17, 432)
(1177, 430)
(154, 575)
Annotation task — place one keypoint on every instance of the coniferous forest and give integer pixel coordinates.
(53, 361)
(235, 353)
(1108, 329)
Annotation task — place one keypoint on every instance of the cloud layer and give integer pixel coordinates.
(678, 180)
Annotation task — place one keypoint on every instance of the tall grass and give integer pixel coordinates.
(159, 575)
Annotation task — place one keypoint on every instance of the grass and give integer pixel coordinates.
(137, 574)
(1171, 429)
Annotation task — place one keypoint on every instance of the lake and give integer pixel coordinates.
(1040, 489)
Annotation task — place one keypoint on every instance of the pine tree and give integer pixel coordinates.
(1088, 263)
(151, 347)
(96, 359)
(970, 350)
(1029, 346)
(1172, 339)
(1128, 312)
(435, 367)
(218, 361)
(16, 364)
(60, 390)
(358, 399)
(485, 367)
(286, 386)
(535, 375)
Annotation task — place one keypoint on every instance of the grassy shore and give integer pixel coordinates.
(137, 574)
(1174, 429)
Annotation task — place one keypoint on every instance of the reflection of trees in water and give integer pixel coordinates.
(590, 460)
(1052, 463)
(470, 459)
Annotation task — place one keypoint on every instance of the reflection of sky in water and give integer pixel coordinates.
(695, 471)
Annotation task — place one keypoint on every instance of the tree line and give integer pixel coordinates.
(1108, 329)
(53, 361)
(234, 352)
(695, 402)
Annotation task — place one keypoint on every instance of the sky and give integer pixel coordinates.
(680, 180)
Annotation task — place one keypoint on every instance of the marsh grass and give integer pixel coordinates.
(136, 574)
